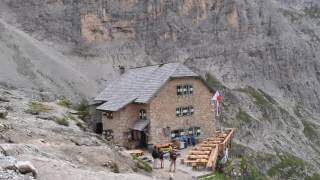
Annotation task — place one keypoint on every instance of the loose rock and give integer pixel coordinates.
(4, 99)
(25, 167)
(3, 113)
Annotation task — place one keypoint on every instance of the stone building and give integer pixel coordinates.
(156, 104)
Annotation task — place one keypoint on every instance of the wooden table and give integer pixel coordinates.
(136, 152)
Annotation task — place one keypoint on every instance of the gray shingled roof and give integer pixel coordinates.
(140, 124)
(140, 85)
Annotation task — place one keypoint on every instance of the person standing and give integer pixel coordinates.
(170, 149)
(193, 140)
(155, 156)
(173, 158)
(161, 153)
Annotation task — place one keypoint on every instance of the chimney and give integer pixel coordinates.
(122, 70)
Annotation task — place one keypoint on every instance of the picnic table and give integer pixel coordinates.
(190, 157)
(136, 152)
(199, 152)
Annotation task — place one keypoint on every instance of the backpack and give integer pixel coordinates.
(161, 155)
(173, 156)
(154, 154)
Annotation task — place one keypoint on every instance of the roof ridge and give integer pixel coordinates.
(160, 64)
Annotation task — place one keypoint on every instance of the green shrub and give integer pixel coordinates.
(65, 102)
(313, 177)
(62, 121)
(261, 100)
(37, 107)
(288, 168)
(244, 117)
(142, 164)
(84, 109)
(213, 82)
(115, 168)
(72, 117)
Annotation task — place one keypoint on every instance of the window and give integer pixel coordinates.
(184, 111)
(179, 112)
(195, 131)
(184, 89)
(142, 114)
(190, 89)
(109, 115)
(190, 110)
(179, 90)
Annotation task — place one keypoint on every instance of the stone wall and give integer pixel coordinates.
(163, 110)
(123, 121)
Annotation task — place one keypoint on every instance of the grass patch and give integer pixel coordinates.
(263, 101)
(38, 107)
(313, 177)
(244, 117)
(142, 165)
(71, 116)
(78, 122)
(250, 172)
(289, 167)
(62, 121)
(259, 98)
(310, 131)
(268, 97)
(65, 102)
(213, 82)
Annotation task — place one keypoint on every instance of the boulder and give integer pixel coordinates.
(2, 127)
(4, 99)
(25, 167)
(3, 113)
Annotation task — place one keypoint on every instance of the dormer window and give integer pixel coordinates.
(142, 114)
(184, 89)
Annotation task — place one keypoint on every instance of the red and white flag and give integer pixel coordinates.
(217, 98)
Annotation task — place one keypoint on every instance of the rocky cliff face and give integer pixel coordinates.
(263, 55)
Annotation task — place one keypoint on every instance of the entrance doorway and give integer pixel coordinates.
(143, 140)
(99, 128)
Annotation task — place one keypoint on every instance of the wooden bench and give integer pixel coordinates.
(212, 159)
(197, 156)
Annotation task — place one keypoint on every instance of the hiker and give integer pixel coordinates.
(173, 158)
(155, 156)
(161, 153)
(170, 149)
